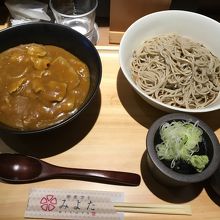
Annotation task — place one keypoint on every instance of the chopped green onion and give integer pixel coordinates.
(180, 140)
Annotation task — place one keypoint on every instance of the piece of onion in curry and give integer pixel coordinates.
(40, 85)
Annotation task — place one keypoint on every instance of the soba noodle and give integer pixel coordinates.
(177, 71)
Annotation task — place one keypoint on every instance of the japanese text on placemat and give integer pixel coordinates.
(69, 204)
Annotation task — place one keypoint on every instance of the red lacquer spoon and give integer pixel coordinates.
(17, 168)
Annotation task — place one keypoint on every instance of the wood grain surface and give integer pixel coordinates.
(110, 134)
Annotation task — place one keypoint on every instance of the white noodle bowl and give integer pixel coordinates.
(196, 27)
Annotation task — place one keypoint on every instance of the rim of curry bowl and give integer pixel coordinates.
(47, 27)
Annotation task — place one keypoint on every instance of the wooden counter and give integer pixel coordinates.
(111, 134)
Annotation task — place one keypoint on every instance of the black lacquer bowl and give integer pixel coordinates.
(61, 36)
(186, 175)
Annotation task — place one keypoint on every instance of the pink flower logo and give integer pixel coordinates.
(48, 203)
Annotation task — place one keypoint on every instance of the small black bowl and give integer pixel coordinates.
(61, 36)
(162, 172)
(214, 182)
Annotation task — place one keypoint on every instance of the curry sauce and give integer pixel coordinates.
(40, 85)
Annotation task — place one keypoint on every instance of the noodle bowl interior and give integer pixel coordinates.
(176, 71)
